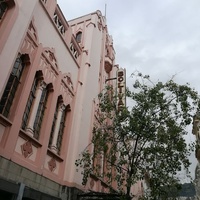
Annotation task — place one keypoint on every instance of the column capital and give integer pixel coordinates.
(62, 107)
(42, 85)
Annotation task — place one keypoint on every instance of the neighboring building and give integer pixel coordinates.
(51, 71)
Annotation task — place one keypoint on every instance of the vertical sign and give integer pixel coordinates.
(121, 89)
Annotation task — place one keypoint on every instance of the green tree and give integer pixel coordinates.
(145, 140)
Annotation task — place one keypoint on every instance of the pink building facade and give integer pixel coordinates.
(51, 71)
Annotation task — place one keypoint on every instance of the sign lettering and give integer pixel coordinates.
(121, 89)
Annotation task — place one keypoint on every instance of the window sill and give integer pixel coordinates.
(5, 121)
(26, 136)
(56, 156)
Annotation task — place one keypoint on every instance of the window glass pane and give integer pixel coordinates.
(16, 66)
(3, 8)
(54, 123)
(78, 36)
(29, 104)
(40, 113)
(11, 87)
(61, 130)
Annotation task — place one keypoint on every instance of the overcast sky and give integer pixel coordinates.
(160, 38)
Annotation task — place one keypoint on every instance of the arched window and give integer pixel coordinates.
(57, 129)
(61, 129)
(35, 107)
(29, 103)
(54, 124)
(11, 87)
(40, 112)
(78, 36)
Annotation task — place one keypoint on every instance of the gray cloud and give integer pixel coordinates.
(159, 38)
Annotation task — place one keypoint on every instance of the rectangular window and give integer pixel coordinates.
(61, 130)
(11, 87)
(29, 104)
(40, 113)
(54, 124)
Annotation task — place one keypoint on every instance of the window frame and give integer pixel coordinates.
(3, 10)
(61, 130)
(40, 113)
(29, 104)
(79, 36)
(12, 86)
(54, 123)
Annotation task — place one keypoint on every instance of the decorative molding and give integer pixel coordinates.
(99, 14)
(48, 65)
(50, 55)
(30, 42)
(91, 23)
(33, 31)
(88, 64)
(48, 73)
(66, 89)
(81, 83)
(66, 95)
(79, 30)
(29, 137)
(108, 67)
(27, 149)
(44, 1)
(100, 26)
(52, 164)
(28, 47)
(67, 78)
(59, 24)
(85, 51)
(74, 50)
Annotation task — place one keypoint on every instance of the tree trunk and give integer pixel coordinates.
(128, 190)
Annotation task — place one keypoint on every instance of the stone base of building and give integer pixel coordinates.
(19, 183)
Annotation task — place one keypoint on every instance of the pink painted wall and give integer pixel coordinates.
(32, 30)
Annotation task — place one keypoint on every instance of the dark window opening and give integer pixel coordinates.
(54, 124)
(3, 8)
(11, 87)
(29, 104)
(61, 129)
(6, 195)
(79, 36)
(40, 113)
